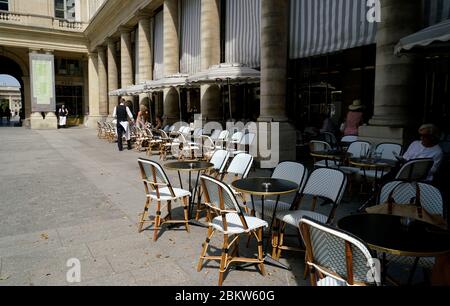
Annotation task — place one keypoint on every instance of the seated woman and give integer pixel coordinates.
(427, 147)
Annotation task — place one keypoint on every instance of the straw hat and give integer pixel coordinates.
(356, 105)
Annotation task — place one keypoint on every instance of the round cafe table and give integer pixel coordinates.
(388, 234)
(264, 187)
(336, 156)
(190, 167)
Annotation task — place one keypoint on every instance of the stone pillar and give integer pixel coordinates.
(85, 63)
(171, 38)
(394, 76)
(94, 93)
(210, 55)
(113, 78)
(274, 58)
(126, 63)
(145, 51)
(102, 81)
(171, 59)
(26, 104)
(171, 106)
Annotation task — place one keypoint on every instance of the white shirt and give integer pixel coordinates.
(128, 112)
(418, 150)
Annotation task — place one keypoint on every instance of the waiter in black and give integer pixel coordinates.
(122, 113)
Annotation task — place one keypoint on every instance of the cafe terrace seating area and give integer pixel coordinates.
(335, 212)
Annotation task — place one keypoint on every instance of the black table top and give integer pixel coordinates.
(386, 233)
(257, 186)
(189, 166)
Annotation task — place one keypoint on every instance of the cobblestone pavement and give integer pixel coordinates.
(67, 194)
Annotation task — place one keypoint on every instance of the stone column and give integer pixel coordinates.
(94, 93)
(274, 58)
(85, 63)
(210, 55)
(26, 104)
(102, 81)
(113, 78)
(171, 59)
(145, 51)
(126, 62)
(394, 76)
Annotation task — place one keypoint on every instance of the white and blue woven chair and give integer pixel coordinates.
(336, 258)
(244, 145)
(357, 149)
(321, 146)
(323, 183)
(291, 171)
(415, 170)
(387, 151)
(232, 223)
(405, 193)
(159, 189)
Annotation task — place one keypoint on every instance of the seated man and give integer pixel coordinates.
(427, 147)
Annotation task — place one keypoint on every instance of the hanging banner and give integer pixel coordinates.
(42, 82)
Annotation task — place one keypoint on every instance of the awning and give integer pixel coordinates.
(429, 37)
(176, 80)
(233, 73)
(117, 92)
(134, 90)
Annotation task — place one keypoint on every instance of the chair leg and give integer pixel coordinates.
(186, 212)
(261, 252)
(205, 249)
(224, 260)
(275, 237)
(144, 215)
(280, 240)
(157, 222)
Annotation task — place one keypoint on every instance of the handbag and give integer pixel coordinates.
(413, 211)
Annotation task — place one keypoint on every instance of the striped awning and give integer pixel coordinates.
(242, 32)
(190, 61)
(232, 73)
(176, 80)
(435, 34)
(158, 43)
(325, 26)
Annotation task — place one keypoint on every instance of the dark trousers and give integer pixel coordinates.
(120, 132)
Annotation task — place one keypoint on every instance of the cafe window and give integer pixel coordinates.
(4, 5)
(68, 67)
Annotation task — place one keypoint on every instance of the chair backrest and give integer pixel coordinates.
(220, 198)
(215, 134)
(389, 150)
(326, 183)
(349, 138)
(237, 137)
(240, 165)
(198, 132)
(329, 138)
(319, 146)
(207, 143)
(338, 254)
(248, 139)
(415, 170)
(153, 176)
(359, 148)
(220, 159)
(172, 128)
(291, 171)
(223, 135)
(405, 193)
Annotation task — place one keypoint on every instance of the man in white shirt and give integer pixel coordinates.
(122, 113)
(427, 147)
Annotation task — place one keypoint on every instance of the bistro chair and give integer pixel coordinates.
(415, 170)
(219, 160)
(336, 258)
(323, 183)
(321, 146)
(234, 141)
(220, 142)
(244, 145)
(208, 147)
(159, 189)
(387, 151)
(405, 193)
(349, 139)
(232, 223)
(215, 134)
(291, 171)
(330, 138)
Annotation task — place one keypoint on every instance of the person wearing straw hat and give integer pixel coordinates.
(354, 118)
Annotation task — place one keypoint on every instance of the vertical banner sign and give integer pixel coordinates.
(42, 82)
